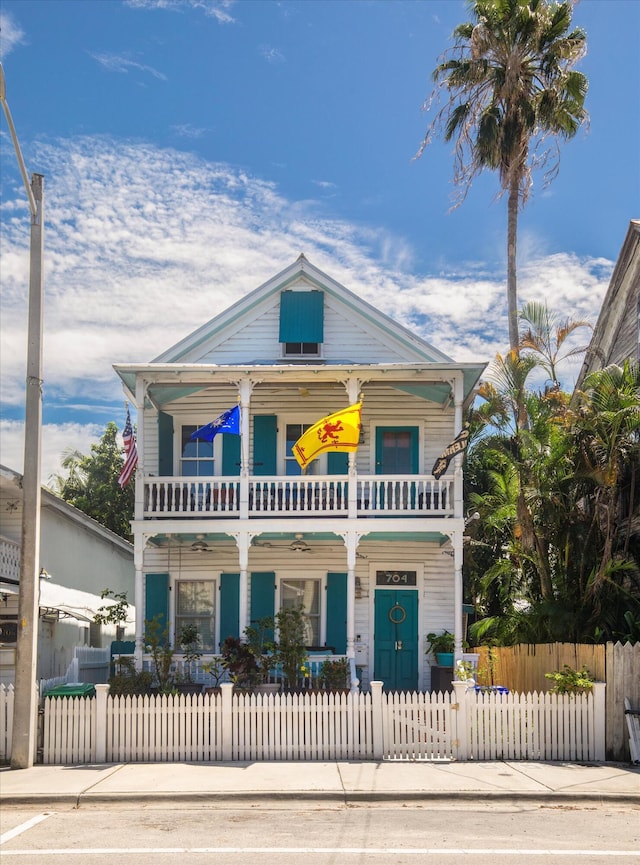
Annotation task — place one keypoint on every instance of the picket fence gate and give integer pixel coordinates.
(462, 725)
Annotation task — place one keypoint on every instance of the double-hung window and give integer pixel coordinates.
(195, 605)
(293, 433)
(304, 593)
(196, 457)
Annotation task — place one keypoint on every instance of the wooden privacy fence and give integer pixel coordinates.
(522, 668)
(464, 725)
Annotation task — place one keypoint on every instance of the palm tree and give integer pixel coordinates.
(509, 85)
(545, 336)
(606, 424)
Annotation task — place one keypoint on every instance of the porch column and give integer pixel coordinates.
(351, 543)
(243, 539)
(245, 387)
(139, 472)
(352, 386)
(138, 562)
(458, 395)
(457, 593)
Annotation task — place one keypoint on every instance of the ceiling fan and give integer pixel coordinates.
(296, 546)
(200, 546)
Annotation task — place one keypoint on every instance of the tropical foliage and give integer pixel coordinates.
(556, 552)
(510, 93)
(91, 483)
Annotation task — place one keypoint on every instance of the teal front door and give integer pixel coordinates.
(395, 661)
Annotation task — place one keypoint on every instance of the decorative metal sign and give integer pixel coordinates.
(396, 578)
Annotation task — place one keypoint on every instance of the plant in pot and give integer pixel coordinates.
(159, 647)
(216, 671)
(189, 641)
(292, 652)
(442, 646)
(239, 662)
(266, 652)
(334, 674)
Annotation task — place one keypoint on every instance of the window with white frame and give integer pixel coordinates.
(293, 433)
(304, 593)
(195, 605)
(196, 457)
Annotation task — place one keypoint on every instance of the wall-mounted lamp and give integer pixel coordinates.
(44, 575)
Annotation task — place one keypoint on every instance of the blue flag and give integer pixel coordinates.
(228, 422)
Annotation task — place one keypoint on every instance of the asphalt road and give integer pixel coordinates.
(321, 835)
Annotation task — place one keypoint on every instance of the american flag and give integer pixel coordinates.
(130, 453)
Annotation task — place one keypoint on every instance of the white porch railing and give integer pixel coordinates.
(327, 495)
(9, 560)
(325, 726)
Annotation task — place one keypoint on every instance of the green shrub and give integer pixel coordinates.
(570, 681)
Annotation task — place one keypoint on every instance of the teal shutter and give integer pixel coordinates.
(165, 444)
(302, 316)
(230, 455)
(337, 463)
(156, 599)
(265, 432)
(229, 606)
(337, 612)
(263, 597)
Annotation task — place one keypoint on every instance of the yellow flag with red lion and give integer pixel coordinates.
(336, 432)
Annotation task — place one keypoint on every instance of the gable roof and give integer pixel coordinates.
(204, 339)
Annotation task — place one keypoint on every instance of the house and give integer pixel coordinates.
(616, 336)
(78, 559)
(229, 531)
(615, 339)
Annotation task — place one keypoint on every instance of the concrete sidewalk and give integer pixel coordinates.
(270, 784)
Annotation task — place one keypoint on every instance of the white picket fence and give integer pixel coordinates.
(462, 725)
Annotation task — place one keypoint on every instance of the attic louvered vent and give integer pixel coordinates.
(301, 323)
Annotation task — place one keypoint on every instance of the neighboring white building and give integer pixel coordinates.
(370, 542)
(79, 558)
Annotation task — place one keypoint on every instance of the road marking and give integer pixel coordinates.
(356, 851)
(23, 827)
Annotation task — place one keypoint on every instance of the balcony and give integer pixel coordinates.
(313, 496)
(9, 561)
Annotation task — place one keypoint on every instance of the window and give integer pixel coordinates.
(293, 433)
(301, 323)
(195, 605)
(196, 458)
(301, 349)
(304, 593)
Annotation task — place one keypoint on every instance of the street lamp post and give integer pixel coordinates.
(25, 697)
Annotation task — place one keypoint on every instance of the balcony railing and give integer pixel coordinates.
(368, 496)
(9, 560)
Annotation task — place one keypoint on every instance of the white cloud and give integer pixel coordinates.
(56, 440)
(121, 63)
(11, 34)
(272, 55)
(218, 9)
(143, 245)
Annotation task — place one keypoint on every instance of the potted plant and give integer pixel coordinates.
(216, 671)
(334, 674)
(159, 647)
(292, 652)
(265, 650)
(189, 641)
(442, 646)
(239, 662)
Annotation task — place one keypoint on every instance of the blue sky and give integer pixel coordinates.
(192, 149)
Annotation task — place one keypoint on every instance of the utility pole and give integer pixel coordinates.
(25, 698)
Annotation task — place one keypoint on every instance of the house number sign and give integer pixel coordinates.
(396, 578)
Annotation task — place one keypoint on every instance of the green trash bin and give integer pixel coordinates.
(73, 689)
